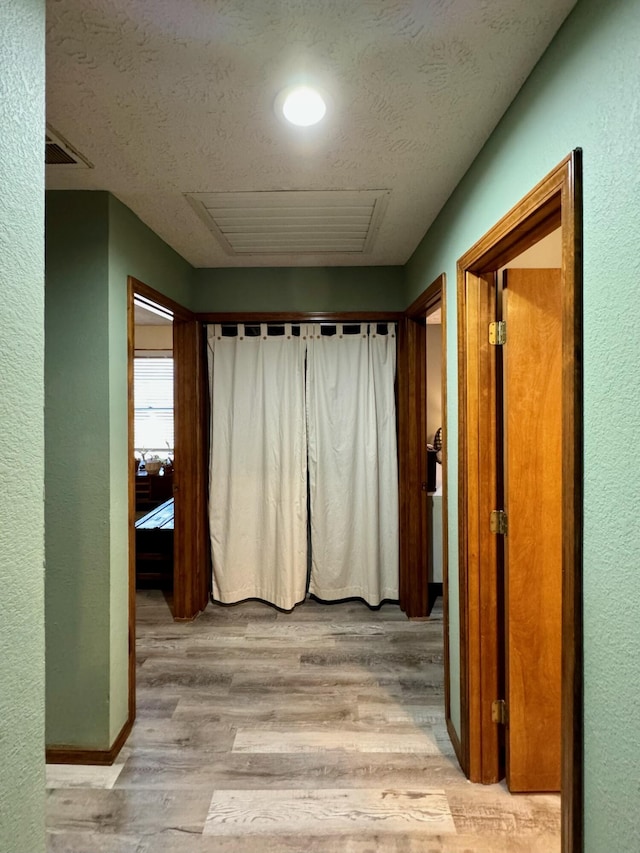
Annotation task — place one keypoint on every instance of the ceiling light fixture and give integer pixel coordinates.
(301, 105)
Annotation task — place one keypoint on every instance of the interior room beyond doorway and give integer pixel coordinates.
(153, 396)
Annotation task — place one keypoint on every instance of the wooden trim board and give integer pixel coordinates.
(131, 334)
(142, 289)
(79, 755)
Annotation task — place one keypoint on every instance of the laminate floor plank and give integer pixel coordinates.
(152, 769)
(328, 812)
(323, 740)
(273, 708)
(93, 842)
(351, 843)
(224, 655)
(319, 680)
(163, 734)
(150, 706)
(82, 775)
(316, 731)
(394, 712)
(345, 632)
(134, 811)
(383, 661)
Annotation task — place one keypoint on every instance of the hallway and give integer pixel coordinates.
(320, 730)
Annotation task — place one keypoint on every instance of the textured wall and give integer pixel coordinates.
(583, 93)
(135, 250)
(21, 427)
(154, 338)
(299, 289)
(77, 491)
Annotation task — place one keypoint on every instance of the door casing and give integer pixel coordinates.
(555, 201)
(190, 576)
(412, 451)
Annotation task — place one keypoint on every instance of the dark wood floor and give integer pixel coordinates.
(311, 732)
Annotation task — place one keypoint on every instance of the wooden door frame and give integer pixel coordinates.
(412, 387)
(190, 582)
(355, 317)
(555, 201)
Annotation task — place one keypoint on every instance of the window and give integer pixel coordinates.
(153, 405)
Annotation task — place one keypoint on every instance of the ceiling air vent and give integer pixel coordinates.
(58, 152)
(293, 222)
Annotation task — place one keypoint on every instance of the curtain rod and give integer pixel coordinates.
(302, 323)
(331, 317)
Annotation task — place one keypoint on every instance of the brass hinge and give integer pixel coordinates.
(498, 333)
(498, 521)
(499, 712)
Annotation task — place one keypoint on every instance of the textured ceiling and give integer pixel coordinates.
(142, 317)
(169, 97)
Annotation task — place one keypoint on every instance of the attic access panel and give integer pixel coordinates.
(292, 221)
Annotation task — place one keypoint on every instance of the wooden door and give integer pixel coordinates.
(191, 564)
(532, 308)
(412, 458)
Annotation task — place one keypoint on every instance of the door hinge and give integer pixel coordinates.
(498, 333)
(498, 521)
(499, 712)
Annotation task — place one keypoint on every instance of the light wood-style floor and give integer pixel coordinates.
(317, 731)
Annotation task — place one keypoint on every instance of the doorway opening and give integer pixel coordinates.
(422, 452)
(435, 448)
(182, 566)
(495, 386)
(153, 446)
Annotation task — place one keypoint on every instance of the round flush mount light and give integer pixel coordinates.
(303, 106)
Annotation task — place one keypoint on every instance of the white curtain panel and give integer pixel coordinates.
(353, 471)
(258, 475)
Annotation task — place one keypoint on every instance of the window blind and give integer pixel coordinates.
(153, 404)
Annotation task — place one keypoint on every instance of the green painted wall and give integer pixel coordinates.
(93, 243)
(77, 468)
(22, 24)
(299, 289)
(584, 92)
(133, 249)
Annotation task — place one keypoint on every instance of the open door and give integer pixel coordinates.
(412, 448)
(532, 309)
(191, 561)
